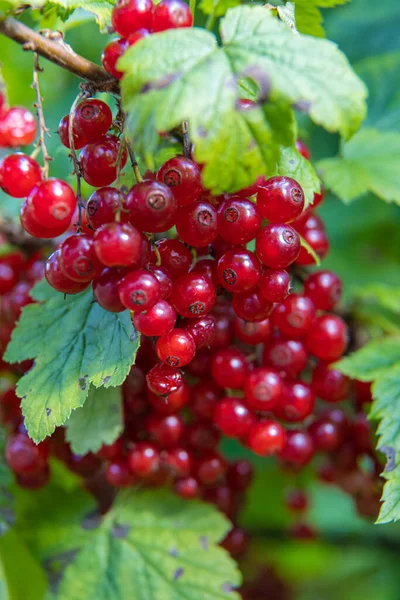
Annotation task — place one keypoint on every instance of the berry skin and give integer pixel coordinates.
(296, 500)
(176, 348)
(98, 161)
(139, 291)
(288, 357)
(152, 206)
(118, 474)
(318, 241)
(299, 448)
(210, 468)
(172, 403)
(202, 330)
(163, 380)
(111, 55)
(251, 306)
(58, 280)
(52, 204)
(239, 270)
(192, 296)
(325, 435)
(130, 15)
(183, 176)
(166, 430)
(252, 333)
(202, 436)
(176, 258)
(294, 316)
(23, 456)
(239, 220)
(266, 438)
(277, 246)
(280, 200)
(8, 278)
(112, 451)
(63, 132)
(275, 285)
(233, 417)
(207, 268)
(105, 290)
(296, 403)
(204, 398)
(328, 337)
(178, 462)
(171, 14)
(303, 149)
(143, 459)
(19, 174)
(324, 288)
(103, 206)
(92, 119)
(118, 245)
(78, 258)
(240, 475)
(263, 388)
(229, 368)
(330, 384)
(18, 127)
(197, 224)
(236, 542)
(187, 488)
(163, 278)
(159, 320)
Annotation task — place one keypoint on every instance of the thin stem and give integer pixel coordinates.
(192, 5)
(77, 168)
(43, 130)
(186, 139)
(134, 164)
(211, 20)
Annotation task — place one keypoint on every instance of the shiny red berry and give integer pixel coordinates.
(18, 127)
(19, 174)
(239, 270)
(78, 258)
(299, 448)
(263, 388)
(58, 280)
(118, 245)
(294, 316)
(183, 176)
(171, 14)
(296, 403)
(328, 337)
(163, 379)
(130, 15)
(105, 289)
(143, 459)
(251, 306)
(98, 161)
(63, 132)
(277, 246)
(92, 119)
(176, 348)
(288, 357)
(330, 384)
(111, 55)
(280, 199)
(139, 291)
(324, 288)
(229, 368)
(151, 206)
(202, 330)
(239, 220)
(165, 430)
(159, 320)
(266, 438)
(275, 285)
(104, 205)
(52, 204)
(176, 258)
(192, 296)
(197, 224)
(172, 403)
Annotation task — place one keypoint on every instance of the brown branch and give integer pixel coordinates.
(43, 129)
(59, 53)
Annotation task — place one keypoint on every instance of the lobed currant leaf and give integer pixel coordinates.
(75, 343)
(101, 9)
(309, 17)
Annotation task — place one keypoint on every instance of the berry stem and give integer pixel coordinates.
(192, 6)
(186, 139)
(211, 20)
(134, 164)
(43, 129)
(77, 168)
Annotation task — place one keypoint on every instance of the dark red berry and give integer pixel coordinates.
(111, 55)
(280, 199)
(252, 333)
(187, 488)
(63, 132)
(178, 462)
(78, 258)
(143, 459)
(210, 468)
(263, 388)
(229, 368)
(202, 330)
(166, 430)
(92, 119)
(19, 174)
(239, 220)
(151, 206)
(192, 296)
(251, 306)
(207, 268)
(99, 159)
(299, 448)
(288, 357)
(139, 291)
(24, 456)
(236, 541)
(324, 288)
(275, 285)
(104, 205)
(171, 14)
(240, 475)
(202, 436)
(8, 278)
(266, 438)
(277, 246)
(118, 245)
(183, 176)
(105, 290)
(204, 398)
(233, 417)
(296, 500)
(294, 316)
(159, 320)
(296, 403)
(172, 403)
(163, 380)
(58, 280)
(175, 257)
(163, 278)
(325, 435)
(118, 474)
(330, 384)
(303, 149)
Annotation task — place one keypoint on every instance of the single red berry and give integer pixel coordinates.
(236, 542)
(330, 384)
(233, 417)
(266, 438)
(296, 500)
(280, 199)
(178, 462)
(166, 430)
(296, 403)
(239, 270)
(294, 316)
(192, 296)
(308, 221)
(197, 224)
(324, 288)
(130, 15)
(104, 205)
(210, 468)
(187, 488)
(325, 435)
(277, 246)
(63, 132)
(172, 403)
(163, 278)
(139, 291)
(159, 320)
(78, 258)
(202, 330)
(183, 176)
(143, 459)
(151, 206)
(111, 55)
(18, 127)
(176, 348)
(8, 278)
(99, 159)
(105, 289)
(207, 268)
(58, 280)
(92, 119)
(275, 285)
(303, 149)
(318, 198)
(229, 368)
(19, 174)
(317, 239)
(118, 245)
(24, 456)
(52, 204)
(328, 337)
(288, 357)
(299, 448)
(252, 333)
(163, 379)
(239, 220)
(240, 475)
(171, 14)
(251, 306)
(263, 388)
(175, 257)
(204, 398)
(118, 474)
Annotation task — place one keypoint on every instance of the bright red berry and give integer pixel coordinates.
(171, 14)
(99, 159)
(229, 368)
(52, 204)
(239, 270)
(197, 224)
(277, 246)
(303, 149)
(266, 438)
(263, 388)
(296, 403)
(202, 330)
(325, 435)
(324, 288)
(104, 205)
(239, 220)
(294, 316)
(328, 337)
(318, 240)
(192, 296)
(19, 174)
(78, 258)
(330, 384)
(63, 132)
(18, 127)
(130, 15)
(233, 417)
(163, 379)
(175, 257)
(183, 176)
(176, 348)
(280, 199)
(139, 291)
(252, 333)
(187, 488)
(275, 285)
(288, 357)
(111, 55)
(118, 244)
(151, 206)
(58, 280)
(172, 403)
(251, 306)
(299, 448)
(92, 119)
(166, 430)
(159, 320)
(143, 459)
(105, 289)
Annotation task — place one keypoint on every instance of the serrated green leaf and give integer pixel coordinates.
(183, 75)
(217, 7)
(153, 545)
(75, 343)
(287, 15)
(309, 17)
(293, 164)
(368, 163)
(372, 360)
(98, 422)
(101, 9)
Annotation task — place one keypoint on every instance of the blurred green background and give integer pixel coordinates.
(352, 559)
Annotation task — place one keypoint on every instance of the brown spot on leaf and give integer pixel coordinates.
(178, 573)
(161, 83)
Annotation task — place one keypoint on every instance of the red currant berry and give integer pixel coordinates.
(187, 488)
(172, 403)
(210, 468)
(130, 15)
(105, 290)
(152, 206)
(263, 388)
(324, 288)
(252, 189)
(252, 333)
(296, 500)
(239, 270)
(171, 14)
(275, 285)
(207, 268)
(229, 368)
(280, 199)
(288, 357)
(99, 159)
(277, 246)
(23, 456)
(17, 127)
(175, 257)
(328, 338)
(240, 475)
(184, 177)
(308, 221)
(266, 438)
(111, 55)
(104, 205)
(159, 320)
(63, 132)
(296, 403)
(166, 430)
(233, 417)
(294, 316)
(204, 398)
(178, 462)
(118, 244)
(197, 224)
(239, 220)
(192, 296)
(330, 384)
(236, 542)
(118, 474)
(299, 448)
(78, 258)
(176, 348)
(92, 119)
(58, 280)
(325, 435)
(19, 174)
(139, 291)
(317, 239)
(202, 436)
(144, 459)
(303, 149)
(163, 278)
(251, 306)
(163, 380)
(202, 330)
(52, 204)
(133, 39)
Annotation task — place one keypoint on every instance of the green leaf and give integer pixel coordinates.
(368, 162)
(372, 360)
(183, 75)
(101, 9)
(75, 343)
(293, 164)
(98, 422)
(386, 296)
(286, 14)
(217, 7)
(308, 15)
(153, 545)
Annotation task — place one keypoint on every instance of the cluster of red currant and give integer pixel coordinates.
(135, 19)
